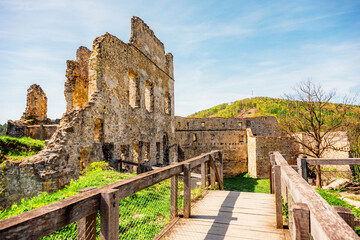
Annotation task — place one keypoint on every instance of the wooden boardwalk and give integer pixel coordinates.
(230, 215)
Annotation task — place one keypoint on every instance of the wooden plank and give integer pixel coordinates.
(221, 231)
(185, 223)
(187, 190)
(301, 221)
(278, 203)
(329, 161)
(86, 226)
(174, 196)
(229, 215)
(109, 213)
(324, 222)
(45, 220)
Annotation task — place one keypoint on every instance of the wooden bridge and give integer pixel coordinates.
(219, 215)
(230, 215)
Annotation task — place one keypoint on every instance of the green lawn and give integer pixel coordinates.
(244, 183)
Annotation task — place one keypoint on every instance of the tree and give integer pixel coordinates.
(314, 121)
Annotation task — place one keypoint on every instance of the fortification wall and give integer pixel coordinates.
(260, 126)
(128, 115)
(198, 135)
(259, 148)
(42, 131)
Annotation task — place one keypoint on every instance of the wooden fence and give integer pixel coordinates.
(303, 162)
(309, 214)
(84, 207)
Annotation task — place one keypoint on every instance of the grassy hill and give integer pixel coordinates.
(258, 106)
(283, 109)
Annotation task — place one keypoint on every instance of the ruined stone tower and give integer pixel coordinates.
(36, 104)
(77, 83)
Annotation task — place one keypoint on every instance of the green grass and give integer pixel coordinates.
(333, 198)
(96, 176)
(18, 148)
(142, 215)
(244, 183)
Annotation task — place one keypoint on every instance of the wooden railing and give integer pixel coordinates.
(303, 162)
(84, 207)
(309, 214)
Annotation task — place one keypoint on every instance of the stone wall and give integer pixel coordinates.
(34, 122)
(128, 114)
(199, 135)
(41, 131)
(259, 148)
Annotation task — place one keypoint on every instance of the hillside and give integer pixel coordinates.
(251, 107)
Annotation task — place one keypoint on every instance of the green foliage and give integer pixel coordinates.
(142, 215)
(25, 146)
(3, 128)
(333, 198)
(244, 183)
(262, 105)
(30, 118)
(93, 178)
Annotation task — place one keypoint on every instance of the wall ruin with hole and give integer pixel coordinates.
(199, 135)
(120, 105)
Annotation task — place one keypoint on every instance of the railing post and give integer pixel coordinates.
(204, 175)
(86, 226)
(278, 203)
(302, 166)
(212, 171)
(346, 214)
(109, 213)
(174, 196)
(187, 190)
(300, 229)
(221, 168)
(271, 163)
(42, 132)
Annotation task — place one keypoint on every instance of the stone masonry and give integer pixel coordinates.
(200, 135)
(34, 122)
(120, 105)
(36, 104)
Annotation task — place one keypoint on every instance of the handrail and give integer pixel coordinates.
(333, 161)
(325, 223)
(50, 218)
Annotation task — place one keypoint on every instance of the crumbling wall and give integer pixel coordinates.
(77, 83)
(108, 126)
(198, 135)
(34, 122)
(259, 148)
(36, 104)
(242, 151)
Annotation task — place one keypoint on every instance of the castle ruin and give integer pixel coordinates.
(120, 108)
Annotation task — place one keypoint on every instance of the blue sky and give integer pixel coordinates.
(223, 50)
